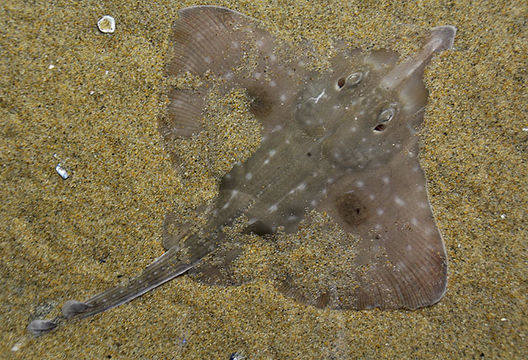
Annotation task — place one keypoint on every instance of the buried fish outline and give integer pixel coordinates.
(342, 142)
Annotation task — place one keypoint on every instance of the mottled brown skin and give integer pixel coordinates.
(342, 142)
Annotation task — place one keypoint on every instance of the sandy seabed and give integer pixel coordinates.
(72, 95)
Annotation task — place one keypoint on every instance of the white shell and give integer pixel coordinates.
(106, 24)
(62, 172)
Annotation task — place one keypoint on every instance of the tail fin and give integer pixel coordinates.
(163, 269)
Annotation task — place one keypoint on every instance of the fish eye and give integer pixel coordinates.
(350, 81)
(354, 78)
(386, 115)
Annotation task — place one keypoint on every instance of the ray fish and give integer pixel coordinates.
(341, 142)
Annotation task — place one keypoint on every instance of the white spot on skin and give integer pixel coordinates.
(266, 162)
(380, 211)
(313, 203)
(252, 221)
(273, 208)
(207, 59)
(273, 58)
(300, 187)
(249, 176)
(235, 45)
(282, 97)
(257, 75)
(292, 218)
(272, 152)
(414, 221)
(260, 43)
(276, 128)
(385, 180)
(318, 97)
(272, 83)
(399, 201)
(378, 227)
(360, 184)
(371, 196)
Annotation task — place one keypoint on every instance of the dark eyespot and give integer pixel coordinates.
(341, 83)
(351, 209)
(380, 128)
(309, 154)
(386, 115)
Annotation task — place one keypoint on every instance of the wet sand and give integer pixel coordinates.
(89, 101)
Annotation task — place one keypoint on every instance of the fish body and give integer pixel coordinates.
(341, 141)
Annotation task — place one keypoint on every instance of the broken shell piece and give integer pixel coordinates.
(106, 24)
(39, 327)
(73, 307)
(62, 172)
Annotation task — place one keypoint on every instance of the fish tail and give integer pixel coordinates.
(163, 269)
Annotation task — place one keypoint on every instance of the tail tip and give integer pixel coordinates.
(39, 327)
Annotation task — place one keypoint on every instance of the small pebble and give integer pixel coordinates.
(236, 356)
(106, 24)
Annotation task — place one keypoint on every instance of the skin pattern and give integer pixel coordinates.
(342, 142)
